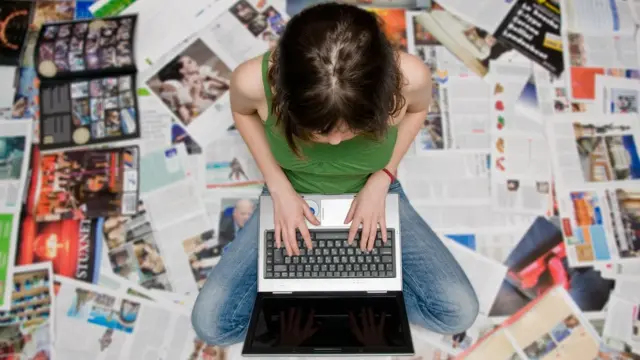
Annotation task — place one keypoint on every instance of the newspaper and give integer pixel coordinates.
(529, 26)
(596, 167)
(15, 149)
(457, 195)
(521, 171)
(622, 326)
(545, 95)
(228, 162)
(495, 244)
(104, 8)
(487, 282)
(616, 95)
(246, 28)
(28, 328)
(155, 124)
(192, 81)
(600, 39)
(551, 327)
(172, 195)
(113, 325)
(474, 46)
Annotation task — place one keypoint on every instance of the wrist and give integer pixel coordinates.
(389, 174)
(278, 184)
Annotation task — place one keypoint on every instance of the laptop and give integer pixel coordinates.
(333, 299)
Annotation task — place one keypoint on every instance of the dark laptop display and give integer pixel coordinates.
(342, 323)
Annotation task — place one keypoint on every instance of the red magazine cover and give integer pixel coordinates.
(84, 184)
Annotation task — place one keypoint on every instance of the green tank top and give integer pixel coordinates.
(326, 168)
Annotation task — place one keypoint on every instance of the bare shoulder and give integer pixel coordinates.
(416, 73)
(247, 89)
(417, 88)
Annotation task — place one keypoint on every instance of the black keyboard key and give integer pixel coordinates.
(280, 268)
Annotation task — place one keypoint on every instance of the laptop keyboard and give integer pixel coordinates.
(331, 257)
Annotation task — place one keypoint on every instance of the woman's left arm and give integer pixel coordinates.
(418, 97)
(368, 208)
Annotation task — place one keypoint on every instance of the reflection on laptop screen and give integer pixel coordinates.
(329, 323)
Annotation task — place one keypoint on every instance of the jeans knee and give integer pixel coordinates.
(455, 314)
(213, 326)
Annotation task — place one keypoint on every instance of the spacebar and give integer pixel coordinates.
(332, 235)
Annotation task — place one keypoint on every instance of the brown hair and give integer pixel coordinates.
(334, 65)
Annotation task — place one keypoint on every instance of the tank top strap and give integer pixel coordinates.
(267, 86)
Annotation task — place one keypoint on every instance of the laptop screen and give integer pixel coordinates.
(316, 324)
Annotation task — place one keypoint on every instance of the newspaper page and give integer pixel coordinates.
(28, 328)
(551, 327)
(486, 275)
(546, 95)
(117, 326)
(228, 162)
(495, 244)
(472, 45)
(155, 124)
(192, 81)
(456, 196)
(616, 95)
(597, 168)
(621, 328)
(521, 171)
(420, 43)
(600, 41)
(171, 195)
(15, 148)
(539, 262)
(465, 113)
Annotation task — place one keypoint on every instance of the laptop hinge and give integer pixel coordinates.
(377, 292)
(281, 292)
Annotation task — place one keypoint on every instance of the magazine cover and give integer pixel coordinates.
(72, 246)
(81, 184)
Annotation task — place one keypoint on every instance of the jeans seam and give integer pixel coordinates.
(235, 310)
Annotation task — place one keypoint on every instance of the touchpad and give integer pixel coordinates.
(334, 211)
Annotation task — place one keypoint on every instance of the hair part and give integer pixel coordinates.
(334, 66)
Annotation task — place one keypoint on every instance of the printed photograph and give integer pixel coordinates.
(243, 11)
(191, 82)
(83, 184)
(204, 252)
(429, 56)
(233, 217)
(624, 101)
(589, 229)
(538, 263)
(180, 135)
(473, 46)
(576, 49)
(541, 347)
(627, 204)
(564, 328)
(275, 20)
(430, 137)
(11, 157)
(421, 35)
(606, 157)
(133, 251)
(53, 11)
(394, 25)
(31, 301)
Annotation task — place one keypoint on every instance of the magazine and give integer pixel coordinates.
(552, 327)
(81, 184)
(15, 17)
(72, 246)
(27, 329)
(87, 82)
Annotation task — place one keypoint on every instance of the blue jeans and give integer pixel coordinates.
(437, 293)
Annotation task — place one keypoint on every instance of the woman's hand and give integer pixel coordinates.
(290, 211)
(368, 209)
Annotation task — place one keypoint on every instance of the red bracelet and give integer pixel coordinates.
(391, 176)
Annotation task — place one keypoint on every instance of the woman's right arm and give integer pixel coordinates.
(247, 94)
